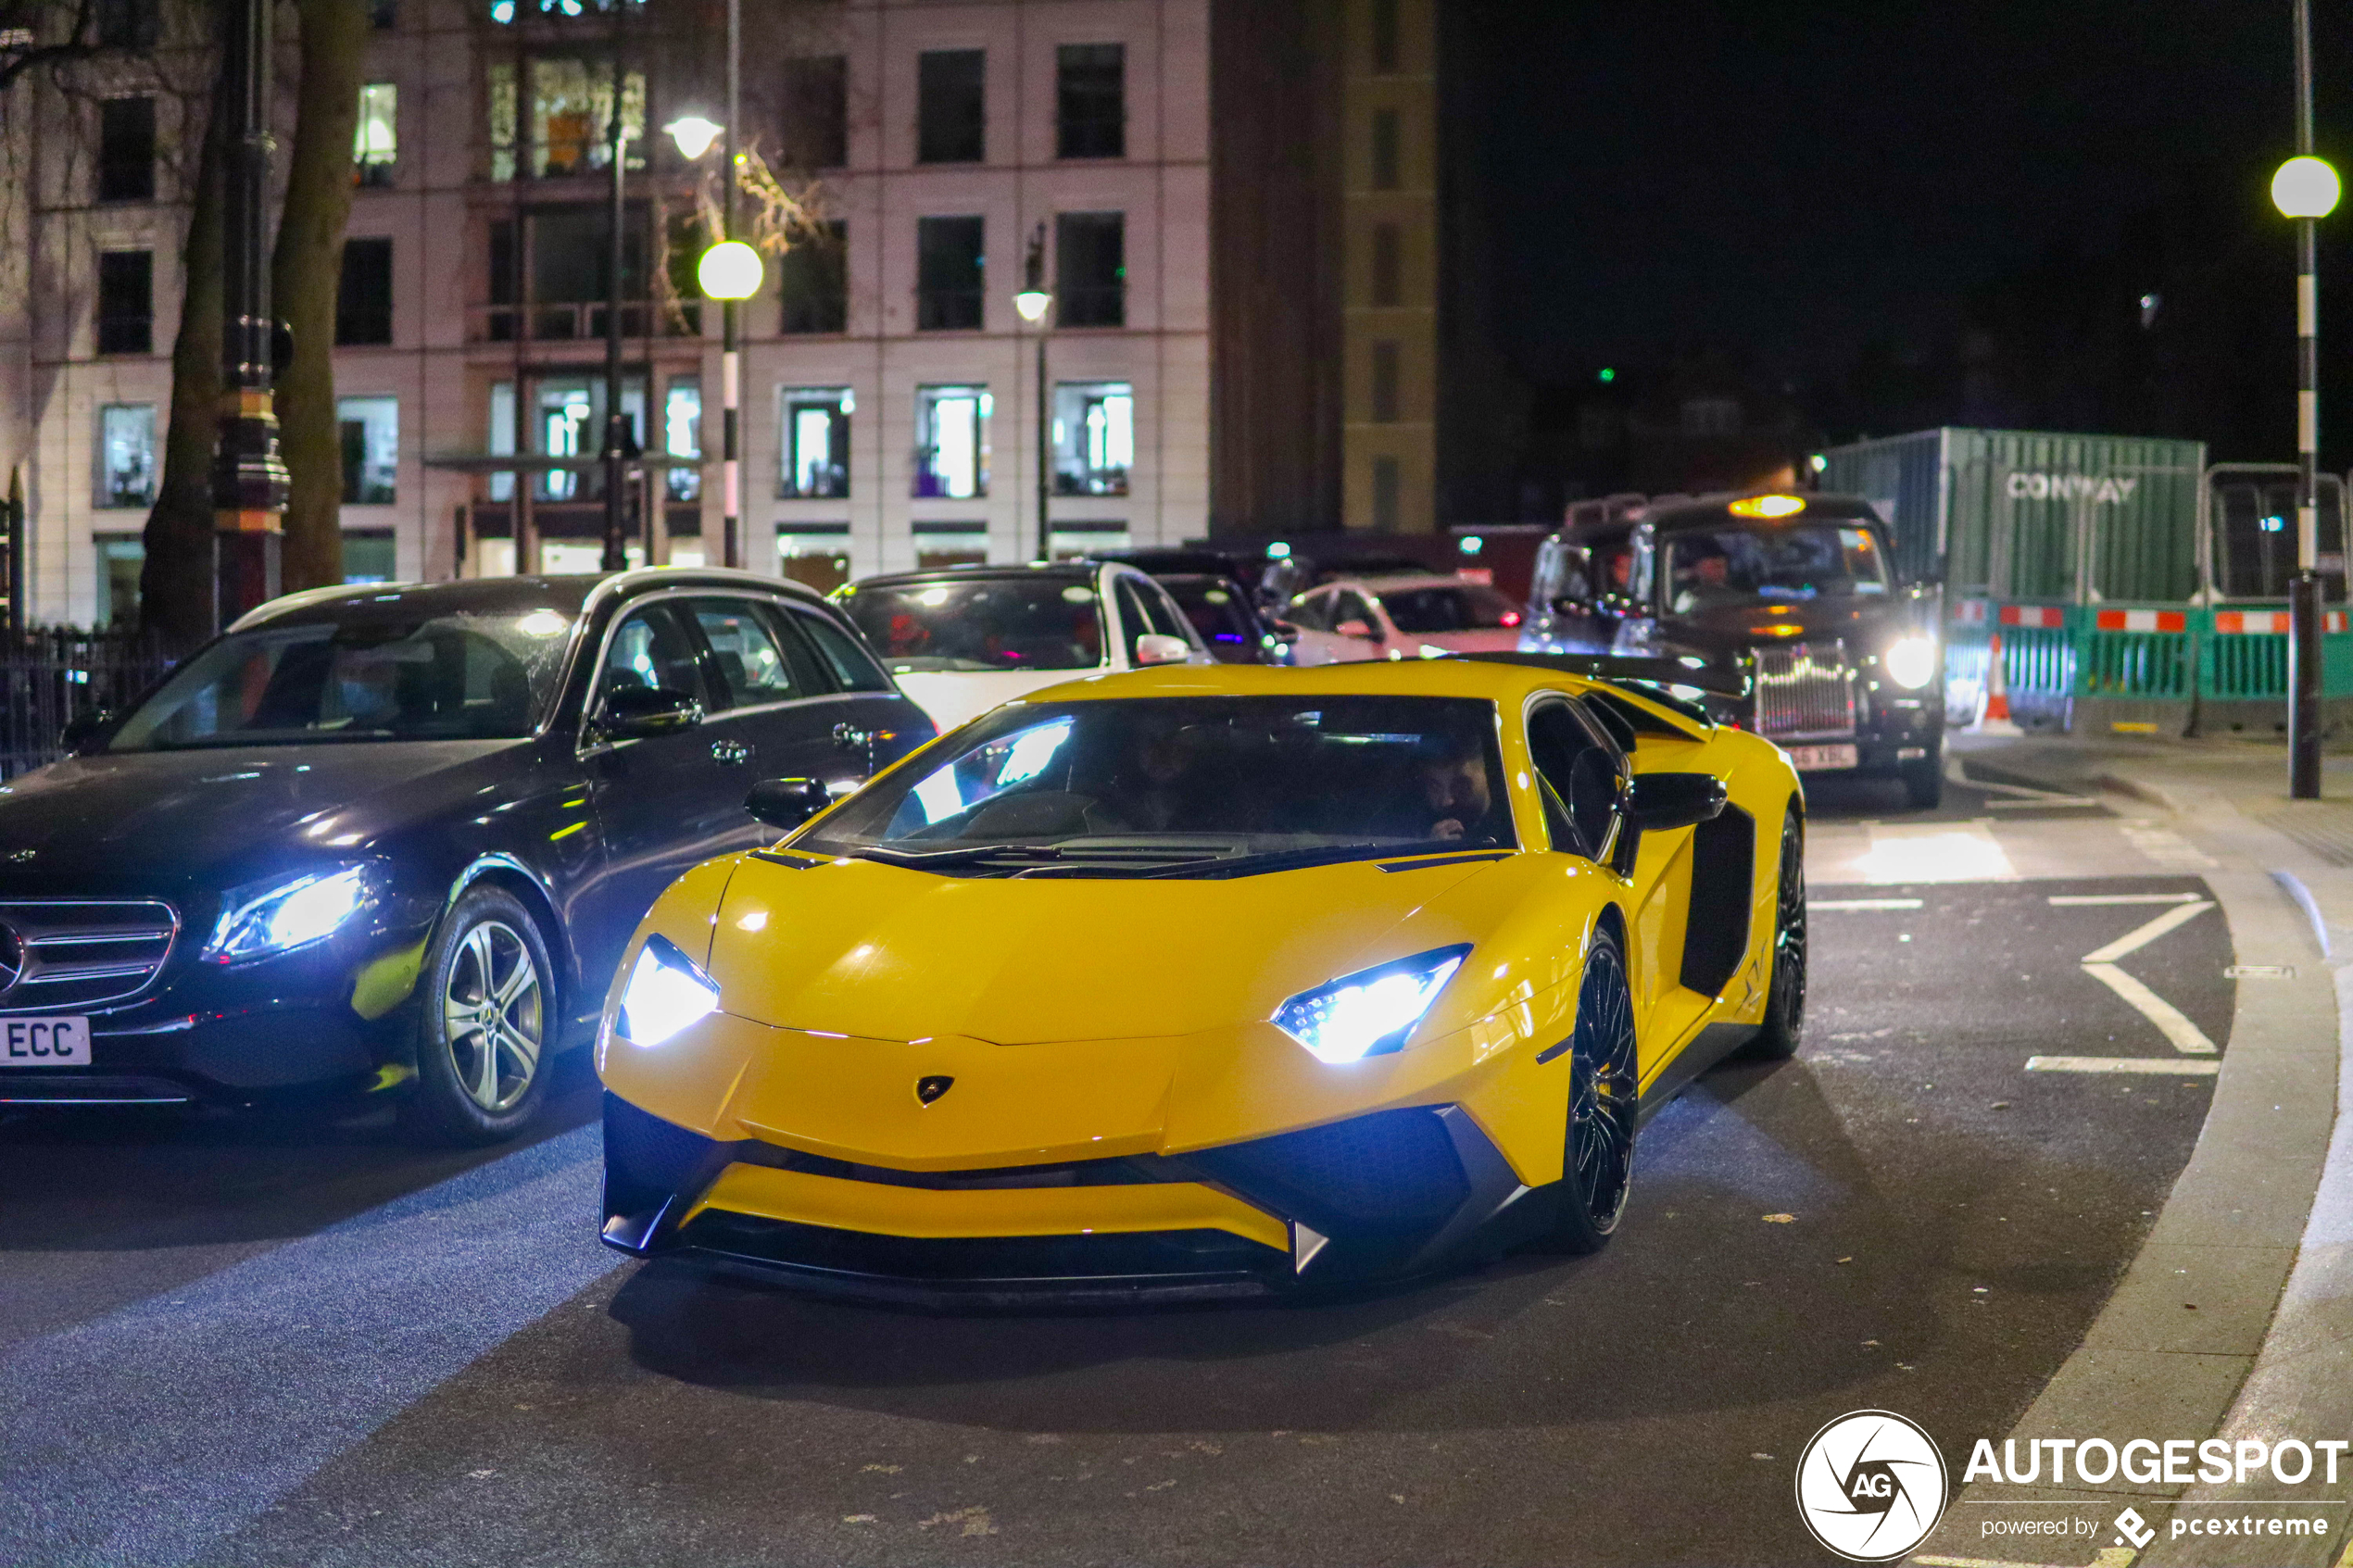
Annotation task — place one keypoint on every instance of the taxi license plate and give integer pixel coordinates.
(45, 1042)
(1816, 759)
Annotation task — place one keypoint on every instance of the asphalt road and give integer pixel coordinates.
(242, 1341)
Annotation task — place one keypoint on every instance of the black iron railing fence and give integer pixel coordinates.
(49, 674)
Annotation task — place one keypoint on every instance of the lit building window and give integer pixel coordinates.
(682, 434)
(1094, 437)
(815, 443)
(376, 141)
(563, 119)
(952, 442)
(127, 455)
(370, 430)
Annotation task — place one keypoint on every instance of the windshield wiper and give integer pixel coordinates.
(1320, 854)
(975, 854)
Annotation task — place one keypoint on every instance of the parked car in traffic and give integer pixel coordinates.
(394, 838)
(960, 640)
(1848, 660)
(1419, 615)
(1228, 620)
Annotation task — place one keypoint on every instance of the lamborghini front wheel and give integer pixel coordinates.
(1602, 1101)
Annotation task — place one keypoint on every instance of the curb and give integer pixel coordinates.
(2261, 1218)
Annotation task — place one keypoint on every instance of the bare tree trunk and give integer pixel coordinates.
(175, 579)
(304, 275)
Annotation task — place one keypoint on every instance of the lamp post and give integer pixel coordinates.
(617, 442)
(729, 272)
(1032, 303)
(248, 476)
(2305, 189)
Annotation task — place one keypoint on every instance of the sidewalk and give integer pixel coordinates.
(2256, 1237)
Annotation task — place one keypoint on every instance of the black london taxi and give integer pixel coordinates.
(1848, 665)
(394, 838)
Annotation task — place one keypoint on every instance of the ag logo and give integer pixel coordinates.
(928, 1090)
(1870, 1485)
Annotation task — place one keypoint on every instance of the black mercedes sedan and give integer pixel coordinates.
(395, 838)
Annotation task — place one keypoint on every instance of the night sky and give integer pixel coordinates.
(1791, 178)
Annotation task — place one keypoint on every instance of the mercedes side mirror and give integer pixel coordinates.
(1158, 647)
(787, 803)
(643, 712)
(1657, 802)
(84, 731)
(1282, 630)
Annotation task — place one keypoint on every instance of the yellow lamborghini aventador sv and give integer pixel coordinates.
(1207, 982)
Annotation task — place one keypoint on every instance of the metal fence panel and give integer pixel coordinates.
(51, 674)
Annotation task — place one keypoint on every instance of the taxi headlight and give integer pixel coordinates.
(1911, 663)
(276, 917)
(667, 991)
(1371, 1011)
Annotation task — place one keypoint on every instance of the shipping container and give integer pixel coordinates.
(2029, 516)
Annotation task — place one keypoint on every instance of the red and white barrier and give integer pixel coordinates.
(2144, 621)
(2048, 616)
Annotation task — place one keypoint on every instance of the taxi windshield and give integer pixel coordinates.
(366, 675)
(981, 623)
(1715, 567)
(1188, 786)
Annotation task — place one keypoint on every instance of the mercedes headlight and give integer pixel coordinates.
(667, 991)
(1911, 663)
(276, 917)
(1371, 1011)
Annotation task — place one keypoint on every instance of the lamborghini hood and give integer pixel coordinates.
(880, 953)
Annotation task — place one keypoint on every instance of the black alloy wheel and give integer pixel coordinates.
(487, 1023)
(1604, 1088)
(1784, 1020)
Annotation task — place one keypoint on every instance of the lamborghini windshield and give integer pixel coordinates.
(1732, 566)
(1178, 786)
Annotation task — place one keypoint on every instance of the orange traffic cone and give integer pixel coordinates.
(1996, 720)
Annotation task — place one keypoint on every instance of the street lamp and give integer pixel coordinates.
(615, 452)
(693, 135)
(1032, 303)
(729, 270)
(248, 476)
(2306, 190)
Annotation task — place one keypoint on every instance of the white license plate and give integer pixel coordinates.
(1815, 759)
(45, 1042)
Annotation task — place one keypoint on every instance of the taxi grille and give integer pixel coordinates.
(61, 954)
(1805, 693)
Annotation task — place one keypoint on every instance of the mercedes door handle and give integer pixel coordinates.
(730, 753)
(849, 737)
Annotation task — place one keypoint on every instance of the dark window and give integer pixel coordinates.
(1388, 265)
(817, 115)
(755, 665)
(948, 277)
(1385, 383)
(364, 296)
(1385, 494)
(1091, 100)
(1581, 779)
(505, 282)
(1385, 131)
(126, 302)
(851, 666)
(1090, 264)
(813, 281)
(128, 24)
(127, 150)
(384, 15)
(952, 117)
(1384, 35)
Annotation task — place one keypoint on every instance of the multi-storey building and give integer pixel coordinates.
(1277, 153)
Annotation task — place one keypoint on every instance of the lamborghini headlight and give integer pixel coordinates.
(276, 917)
(1911, 663)
(1371, 1011)
(667, 991)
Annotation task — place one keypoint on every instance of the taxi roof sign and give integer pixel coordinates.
(1767, 506)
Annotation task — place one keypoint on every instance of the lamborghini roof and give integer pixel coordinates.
(1415, 677)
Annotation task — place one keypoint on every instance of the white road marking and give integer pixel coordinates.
(2171, 1064)
(1952, 852)
(2260, 971)
(2086, 900)
(2131, 941)
(2166, 848)
(2029, 804)
(1862, 903)
(2185, 1036)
